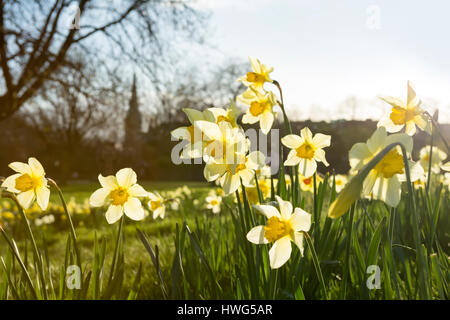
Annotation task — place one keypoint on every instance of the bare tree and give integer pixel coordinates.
(36, 38)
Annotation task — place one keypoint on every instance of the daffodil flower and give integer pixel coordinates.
(29, 183)
(260, 108)
(446, 166)
(194, 148)
(436, 159)
(156, 205)
(340, 182)
(281, 228)
(404, 115)
(121, 193)
(306, 150)
(384, 180)
(307, 184)
(213, 203)
(229, 115)
(258, 76)
(231, 174)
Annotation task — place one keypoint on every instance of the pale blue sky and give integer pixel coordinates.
(325, 51)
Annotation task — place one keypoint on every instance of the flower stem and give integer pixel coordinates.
(287, 123)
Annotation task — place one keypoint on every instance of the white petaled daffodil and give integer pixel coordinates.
(121, 192)
(192, 134)
(446, 166)
(29, 183)
(224, 141)
(156, 205)
(340, 182)
(306, 151)
(307, 184)
(437, 157)
(258, 76)
(281, 228)
(231, 174)
(229, 115)
(384, 181)
(404, 115)
(213, 203)
(260, 108)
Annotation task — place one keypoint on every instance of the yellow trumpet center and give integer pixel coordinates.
(306, 150)
(391, 164)
(26, 182)
(276, 228)
(258, 107)
(401, 116)
(119, 196)
(255, 77)
(214, 202)
(155, 204)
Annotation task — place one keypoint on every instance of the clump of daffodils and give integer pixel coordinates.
(383, 182)
(121, 193)
(282, 227)
(28, 183)
(437, 157)
(306, 150)
(259, 101)
(404, 115)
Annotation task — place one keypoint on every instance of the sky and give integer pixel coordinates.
(325, 51)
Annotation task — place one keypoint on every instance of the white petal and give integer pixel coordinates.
(256, 235)
(160, 212)
(20, 167)
(307, 167)
(126, 177)
(26, 198)
(306, 134)
(247, 177)
(285, 208)
(210, 129)
(390, 126)
(410, 128)
(357, 154)
(42, 197)
(231, 183)
(114, 213)
(133, 209)
(395, 102)
(249, 118)
(404, 139)
(298, 239)
(98, 198)
(321, 140)
(393, 192)
(300, 220)
(137, 191)
(266, 121)
(377, 140)
(109, 182)
(36, 167)
(10, 183)
(369, 182)
(319, 155)
(213, 171)
(292, 141)
(292, 159)
(268, 211)
(280, 252)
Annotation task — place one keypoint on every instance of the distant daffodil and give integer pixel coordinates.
(258, 76)
(156, 205)
(306, 150)
(121, 193)
(403, 115)
(29, 183)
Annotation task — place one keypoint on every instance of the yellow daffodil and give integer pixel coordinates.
(156, 205)
(384, 180)
(281, 228)
(404, 115)
(258, 76)
(29, 183)
(225, 142)
(260, 108)
(229, 115)
(192, 134)
(307, 184)
(437, 157)
(121, 193)
(231, 174)
(306, 150)
(213, 203)
(340, 181)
